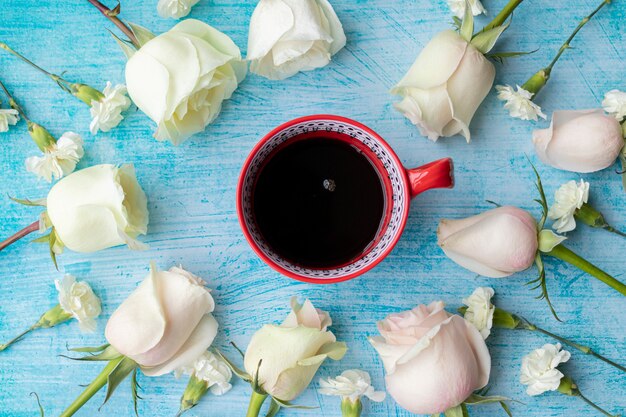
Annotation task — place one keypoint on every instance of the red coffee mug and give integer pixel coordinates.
(399, 184)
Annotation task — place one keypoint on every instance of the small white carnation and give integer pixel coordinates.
(210, 369)
(480, 310)
(106, 113)
(567, 199)
(539, 369)
(614, 103)
(458, 7)
(175, 8)
(59, 159)
(519, 103)
(8, 117)
(351, 384)
(78, 299)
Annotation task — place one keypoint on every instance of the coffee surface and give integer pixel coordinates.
(318, 202)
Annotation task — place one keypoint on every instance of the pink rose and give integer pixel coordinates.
(433, 360)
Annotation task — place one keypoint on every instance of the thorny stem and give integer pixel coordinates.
(566, 44)
(112, 16)
(33, 227)
(15, 106)
(503, 15)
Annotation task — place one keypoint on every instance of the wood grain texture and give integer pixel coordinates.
(191, 190)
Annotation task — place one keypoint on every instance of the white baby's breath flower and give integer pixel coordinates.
(458, 7)
(8, 117)
(351, 384)
(210, 369)
(480, 310)
(107, 112)
(175, 8)
(567, 199)
(78, 299)
(519, 103)
(539, 369)
(59, 159)
(614, 103)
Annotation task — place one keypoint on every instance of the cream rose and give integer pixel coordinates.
(579, 141)
(433, 360)
(165, 323)
(496, 243)
(181, 77)
(291, 353)
(289, 36)
(444, 87)
(97, 208)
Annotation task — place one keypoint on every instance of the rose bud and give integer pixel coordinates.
(433, 360)
(181, 77)
(284, 358)
(443, 89)
(579, 141)
(289, 36)
(496, 243)
(165, 323)
(98, 207)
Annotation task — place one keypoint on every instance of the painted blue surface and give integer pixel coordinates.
(191, 190)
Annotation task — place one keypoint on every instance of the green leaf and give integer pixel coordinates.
(128, 48)
(458, 411)
(501, 56)
(467, 25)
(494, 203)
(476, 399)
(506, 408)
(52, 241)
(273, 409)
(115, 378)
(41, 202)
(456, 23)
(485, 41)
(42, 239)
(90, 349)
(234, 368)
(288, 404)
(542, 195)
(541, 283)
(238, 350)
(107, 354)
(622, 159)
(134, 387)
(142, 34)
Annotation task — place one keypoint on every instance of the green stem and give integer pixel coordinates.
(256, 401)
(584, 349)
(91, 389)
(33, 227)
(503, 15)
(613, 230)
(112, 16)
(565, 254)
(56, 78)
(351, 409)
(591, 403)
(566, 44)
(592, 217)
(13, 103)
(18, 337)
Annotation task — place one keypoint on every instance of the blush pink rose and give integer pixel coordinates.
(433, 360)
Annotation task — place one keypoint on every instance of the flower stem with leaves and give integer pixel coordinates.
(112, 14)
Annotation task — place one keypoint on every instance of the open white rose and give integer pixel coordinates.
(98, 207)
(539, 369)
(165, 323)
(181, 77)
(496, 243)
(579, 141)
(291, 353)
(480, 310)
(288, 36)
(433, 360)
(445, 86)
(78, 299)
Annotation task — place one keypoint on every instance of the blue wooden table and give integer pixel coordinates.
(191, 191)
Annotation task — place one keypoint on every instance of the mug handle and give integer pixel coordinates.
(436, 174)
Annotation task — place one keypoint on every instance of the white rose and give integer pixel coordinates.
(79, 300)
(539, 369)
(480, 310)
(175, 8)
(433, 360)
(165, 323)
(212, 370)
(567, 199)
(496, 243)
(288, 36)
(181, 77)
(579, 141)
(445, 86)
(291, 353)
(97, 208)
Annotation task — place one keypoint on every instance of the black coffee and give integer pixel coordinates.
(318, 202)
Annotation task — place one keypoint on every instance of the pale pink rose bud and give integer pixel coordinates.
(579, 141)
(433, 360)
(496, 243)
